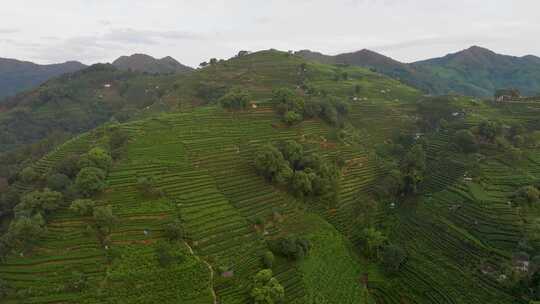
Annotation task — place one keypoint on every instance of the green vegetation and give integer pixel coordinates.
(234, 205)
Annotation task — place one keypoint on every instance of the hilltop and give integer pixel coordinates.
(17, 76)
(149, 64)
(475, 71)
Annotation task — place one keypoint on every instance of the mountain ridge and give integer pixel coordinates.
(18, 75)
(475, 71)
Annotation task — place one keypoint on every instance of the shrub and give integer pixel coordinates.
(90, 181)
(291, 117)
(174, 231)
(77, 282)
(166, 254)
(268, 259)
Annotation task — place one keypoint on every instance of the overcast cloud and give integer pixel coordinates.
(193, 30)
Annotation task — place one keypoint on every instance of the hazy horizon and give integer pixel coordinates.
(192, 32)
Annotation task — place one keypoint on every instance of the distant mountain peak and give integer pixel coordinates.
(146, 63)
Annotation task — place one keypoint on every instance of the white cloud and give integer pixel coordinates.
(193, 31)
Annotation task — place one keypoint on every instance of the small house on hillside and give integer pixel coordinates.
(505, 95)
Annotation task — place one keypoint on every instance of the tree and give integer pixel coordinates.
(213, 61)
(100, 158)
(242, 53)
(236, 99)
(147, 185)
(390, 186)
(293, 152)
(58, 182)
(68, 165)
(465, 141)
(38, 202)
(24, 231)
(302, 183)
(29, 175)
(489, 130)
(287, 100)
(392, 258)
(83, 207)
(104, 219)
(174, 231)
(291, 117)
(266, 289)
(292, 247)
(117, 138)
(413, 168)
(373, 240)
(90, 180)
(270, 163)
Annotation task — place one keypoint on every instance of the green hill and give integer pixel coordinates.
(17, 76)
(189, 206)
(149, 64)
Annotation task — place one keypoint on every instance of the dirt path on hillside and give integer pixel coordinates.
(209, 268)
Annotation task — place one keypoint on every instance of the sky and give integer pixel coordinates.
(193, 31)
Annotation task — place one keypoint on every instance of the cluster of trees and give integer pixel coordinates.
(306, 174)
(72, 181)
(495, 136)
(436, 112)
(294, 108)
(406, 167)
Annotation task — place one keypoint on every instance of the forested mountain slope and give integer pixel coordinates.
(17, 76)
